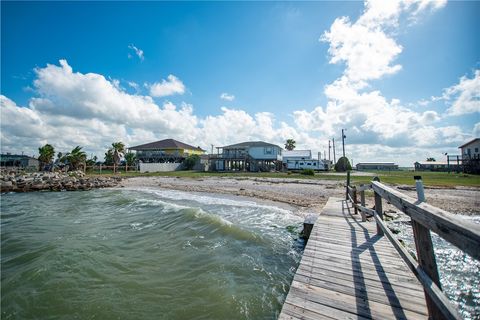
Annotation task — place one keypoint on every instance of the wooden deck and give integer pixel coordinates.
(348, 272)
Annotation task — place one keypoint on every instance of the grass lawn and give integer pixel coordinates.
(432, 179)
(437, 179)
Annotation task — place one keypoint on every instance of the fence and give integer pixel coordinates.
(109, 169)
(425, 218)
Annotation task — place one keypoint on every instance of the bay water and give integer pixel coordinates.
(144, 254)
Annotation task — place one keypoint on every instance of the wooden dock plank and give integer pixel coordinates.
(349, 272)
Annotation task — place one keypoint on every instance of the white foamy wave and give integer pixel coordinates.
(210, 200)
(201, 214)
(168, 205)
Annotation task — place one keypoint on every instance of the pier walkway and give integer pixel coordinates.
(348, 271)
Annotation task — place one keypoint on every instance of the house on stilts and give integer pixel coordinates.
(251, 156)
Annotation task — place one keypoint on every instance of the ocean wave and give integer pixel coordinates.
(211, 200)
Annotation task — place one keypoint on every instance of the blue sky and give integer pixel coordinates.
(401, 78)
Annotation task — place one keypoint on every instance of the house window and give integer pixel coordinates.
(469, 151)
(476, 150)
(268, 150)
(301, 163)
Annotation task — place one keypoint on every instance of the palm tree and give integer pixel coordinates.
(76, 157)
(290, 144)
(130, 158)
(108, 158)
(46, 154)
(118, 149)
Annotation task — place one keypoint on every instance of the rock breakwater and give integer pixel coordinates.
(53, 181)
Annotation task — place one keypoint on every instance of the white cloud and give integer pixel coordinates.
(367, 46)
(72, 108)
(227, 97)
(367, 51)
(168, 87)
(137, 51)
(133, 84)
(465, 95)
(476, 130)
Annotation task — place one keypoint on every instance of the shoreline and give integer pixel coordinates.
(304, 195)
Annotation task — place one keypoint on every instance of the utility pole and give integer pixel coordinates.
(212, 149)
(334, 157)
(343, 141)
(329, 147)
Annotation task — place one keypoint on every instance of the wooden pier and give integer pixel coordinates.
(349, 272)
(356, 269)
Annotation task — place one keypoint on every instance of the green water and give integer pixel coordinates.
(144, 254)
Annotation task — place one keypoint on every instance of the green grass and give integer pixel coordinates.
(434, 179)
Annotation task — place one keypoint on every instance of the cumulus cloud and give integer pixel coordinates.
(71, 108)
(465, 96)
(138, 52)
(168, 87)
(227, 97)
(368, 49)
(367, 46)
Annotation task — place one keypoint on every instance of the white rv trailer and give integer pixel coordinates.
(302, 159)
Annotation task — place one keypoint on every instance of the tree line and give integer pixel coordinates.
(77, 158)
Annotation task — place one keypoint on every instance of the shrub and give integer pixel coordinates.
(343, 165)
(308, 172)
(190, 161)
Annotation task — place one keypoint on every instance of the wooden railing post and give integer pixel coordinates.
(355, 201)
(362, 203)
(426, 253)
(362, 196)
(378, 208)
(348, 184)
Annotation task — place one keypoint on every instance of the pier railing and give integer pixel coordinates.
(425, 218)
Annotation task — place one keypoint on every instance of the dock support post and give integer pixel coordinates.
(426, 253)
(308, 225)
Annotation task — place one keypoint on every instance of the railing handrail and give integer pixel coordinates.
(462, 233)
(425, 218)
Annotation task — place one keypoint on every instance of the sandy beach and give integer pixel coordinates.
(305, 195)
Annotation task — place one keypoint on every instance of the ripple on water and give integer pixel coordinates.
(113, 254)
(459, 272)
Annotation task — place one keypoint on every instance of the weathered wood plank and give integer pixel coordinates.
(349, 272)
(360, 290)
(348, 303)
(365, 272)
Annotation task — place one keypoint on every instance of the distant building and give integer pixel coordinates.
(365, 166)
(168, 150)
(164, 155)
(471, 149)
(18, 161)
(470, 156)
(248, 156)
(434, 166)
(302, 159)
